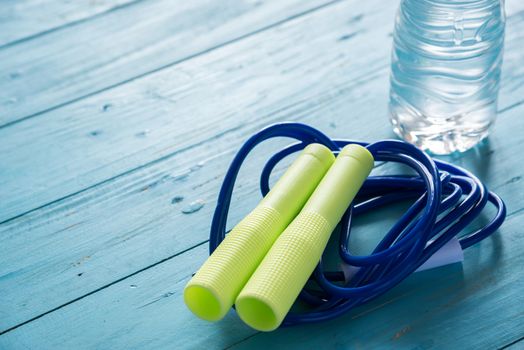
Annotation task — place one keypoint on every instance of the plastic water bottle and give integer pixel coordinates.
(445, 71)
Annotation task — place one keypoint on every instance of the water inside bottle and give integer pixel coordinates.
(445, 72)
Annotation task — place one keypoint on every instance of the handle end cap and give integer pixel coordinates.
(257, 313)
(203, 303)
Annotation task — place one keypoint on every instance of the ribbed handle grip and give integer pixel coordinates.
(271, 291)
(269, 294)
(213, 289)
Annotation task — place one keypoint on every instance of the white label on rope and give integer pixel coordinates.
(450, 253)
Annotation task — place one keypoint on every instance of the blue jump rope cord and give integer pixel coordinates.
(448, 198)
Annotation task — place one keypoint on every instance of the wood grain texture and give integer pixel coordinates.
(187, 140)
(445, 308)
(474, 306)
(87, 242)
(79, 60)
(102, 136)
(24, 19)
(516, 345)
(144, 313)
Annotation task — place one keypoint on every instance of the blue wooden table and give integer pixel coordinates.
(118, 119)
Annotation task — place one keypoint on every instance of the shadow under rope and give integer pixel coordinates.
(440, 289)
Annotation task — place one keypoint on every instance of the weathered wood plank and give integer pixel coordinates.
(89, 240)
(90, 137)
(24, 19)
(152, 312)
(470, 308)
(476, 306)
(192, 138)
(76, 61)
(82, 244)
(516, 345)
(121, 129)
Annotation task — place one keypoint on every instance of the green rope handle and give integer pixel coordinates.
(213, 289)
(272, 289)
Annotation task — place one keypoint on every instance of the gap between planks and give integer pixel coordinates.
(332, 102)
(472, 285)
(133, 75)
(183, 251)
(48, 201)
(74, 22)
(149, 109)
